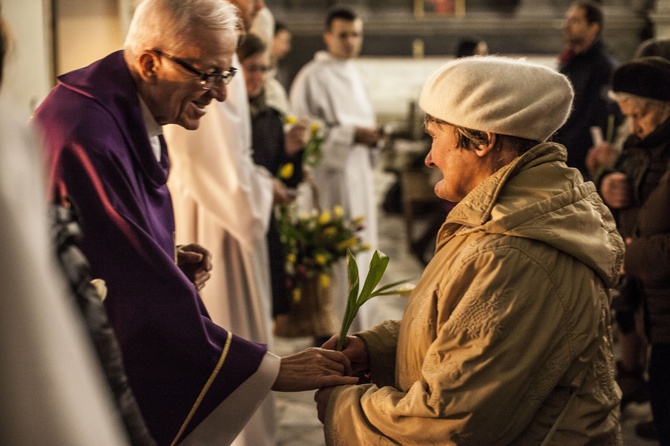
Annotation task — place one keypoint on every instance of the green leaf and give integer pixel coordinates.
(354, 281)
(382, 291)
(378, 265)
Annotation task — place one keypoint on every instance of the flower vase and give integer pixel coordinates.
(311, 312)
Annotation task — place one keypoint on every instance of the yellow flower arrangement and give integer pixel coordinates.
(314, 242)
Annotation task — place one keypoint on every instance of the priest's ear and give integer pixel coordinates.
(148, 64)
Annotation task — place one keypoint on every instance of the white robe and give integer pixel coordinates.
(223, 201)
(331, 90)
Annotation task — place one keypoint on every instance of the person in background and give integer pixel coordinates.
(272, 149)
(275, 82)
(638, 191)
(330, 89)
(633, 345)
(604, 155)
(281, 46)
(471, 47)
(506, 338)
(102, 131)
(263, 24)
(281, 42)
(588, 64)
(52, 390)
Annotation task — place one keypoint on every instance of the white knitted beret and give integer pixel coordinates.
(499, 95)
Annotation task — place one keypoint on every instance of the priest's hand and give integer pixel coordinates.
(313, 368)
(196, 262)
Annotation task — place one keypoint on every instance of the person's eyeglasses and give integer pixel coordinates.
(259, 68)
(207, 80)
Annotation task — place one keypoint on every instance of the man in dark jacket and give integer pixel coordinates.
(588, 64)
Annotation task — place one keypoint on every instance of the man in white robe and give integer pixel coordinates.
(330, 89)
(223, 201)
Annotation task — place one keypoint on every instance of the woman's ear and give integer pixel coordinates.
(490, 144)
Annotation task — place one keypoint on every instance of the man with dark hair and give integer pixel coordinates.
(330, 89)
(589, 65)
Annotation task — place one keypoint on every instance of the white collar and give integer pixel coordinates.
(153, 129)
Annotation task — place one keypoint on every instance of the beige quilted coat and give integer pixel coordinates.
(509, 319)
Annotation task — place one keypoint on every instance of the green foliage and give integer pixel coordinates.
(314, 242)
(355, 301)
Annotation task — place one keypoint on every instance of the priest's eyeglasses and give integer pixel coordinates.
(207, 80)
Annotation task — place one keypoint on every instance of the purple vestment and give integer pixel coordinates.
(99, 154)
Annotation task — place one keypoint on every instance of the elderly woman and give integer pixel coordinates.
(506, 338)
(639, 192)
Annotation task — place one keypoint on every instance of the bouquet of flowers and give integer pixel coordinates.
(314, 242)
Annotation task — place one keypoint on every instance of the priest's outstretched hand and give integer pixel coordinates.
(313, 368)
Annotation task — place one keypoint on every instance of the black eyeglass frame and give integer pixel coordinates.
(207, 80)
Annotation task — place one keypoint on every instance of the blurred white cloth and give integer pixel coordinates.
(52, 390)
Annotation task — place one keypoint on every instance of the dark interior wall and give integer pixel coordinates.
(508, 26)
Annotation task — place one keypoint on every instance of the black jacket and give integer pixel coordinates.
(66, 233)
(646, 221)
(590, 73)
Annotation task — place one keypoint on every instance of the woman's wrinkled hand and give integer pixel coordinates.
(355, 350)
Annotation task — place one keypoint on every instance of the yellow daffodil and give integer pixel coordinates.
(314, 127)
(338, 211)
(290, 257)
(286, 171)
(330, 231)
(324, 280)
(290, 119)
(324, 217)
(297, 295)
(320, 259)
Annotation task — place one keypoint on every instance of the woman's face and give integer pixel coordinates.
(255, 68)
(643, 118)
(462, 169)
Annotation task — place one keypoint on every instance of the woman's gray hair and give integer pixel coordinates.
(171, 23)
(640, 101)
